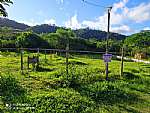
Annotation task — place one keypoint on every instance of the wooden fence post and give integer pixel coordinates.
(21, 59)
(45, 55)
(51, 55)
(38, 51)
(122, 62)
(67, 56)
(28, 63)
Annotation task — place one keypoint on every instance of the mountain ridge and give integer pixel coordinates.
(45, 28)
(5, 22)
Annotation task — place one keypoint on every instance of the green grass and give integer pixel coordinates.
(83, 90)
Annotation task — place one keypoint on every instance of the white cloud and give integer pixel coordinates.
(146, 28)
(120, 16)
(140, 13)
(50, 21)
(137, 14)
(101, 21)
(73, 23)
(122, 29)
(91, 24)
(32, 22)
(119, 5)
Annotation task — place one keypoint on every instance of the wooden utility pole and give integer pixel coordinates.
(67, 56)
(108, 34)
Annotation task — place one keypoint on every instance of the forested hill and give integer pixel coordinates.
(85, 33)
(139, 42)
(89, 33)
(44, 28)
(4, 22)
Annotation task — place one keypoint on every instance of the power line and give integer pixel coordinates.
(108, 32)
(94, 4)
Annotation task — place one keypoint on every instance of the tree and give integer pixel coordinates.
(65, 37)
(52, 39)
(139, 42)
(2, 9)
(30, 40)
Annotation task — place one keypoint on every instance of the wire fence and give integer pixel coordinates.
(53, 60)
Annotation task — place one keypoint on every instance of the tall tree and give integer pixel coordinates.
(2, 9)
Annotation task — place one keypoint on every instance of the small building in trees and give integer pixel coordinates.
(140, 55)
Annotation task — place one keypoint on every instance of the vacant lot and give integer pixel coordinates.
(84, 89)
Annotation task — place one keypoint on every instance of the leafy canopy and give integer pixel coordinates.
(139, 42)
(2, 9)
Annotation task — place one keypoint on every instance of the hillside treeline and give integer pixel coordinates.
(10, 38)
(138, 43)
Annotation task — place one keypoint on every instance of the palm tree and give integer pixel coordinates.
(2, 9)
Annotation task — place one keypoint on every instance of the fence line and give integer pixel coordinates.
(44, 50)
(59, 50)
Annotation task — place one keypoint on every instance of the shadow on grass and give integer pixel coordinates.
(129, 109)
(114, 77)
(48, 64)
(141, 85)
(11, 91)
(130, 76)
(134, 71)
(146, 66)
(108, 94)
(41, 69)
(77, 63)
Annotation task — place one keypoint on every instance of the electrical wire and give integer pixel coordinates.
(93, 4)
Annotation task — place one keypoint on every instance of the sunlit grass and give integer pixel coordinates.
(84, 85)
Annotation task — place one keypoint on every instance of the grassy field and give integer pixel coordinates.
(83, 90)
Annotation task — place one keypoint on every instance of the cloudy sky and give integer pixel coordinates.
(127, 16)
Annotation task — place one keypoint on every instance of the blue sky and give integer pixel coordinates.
(127, 16)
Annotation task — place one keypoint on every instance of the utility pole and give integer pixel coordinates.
(108, 27)
(106, 57)
(108, 34)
